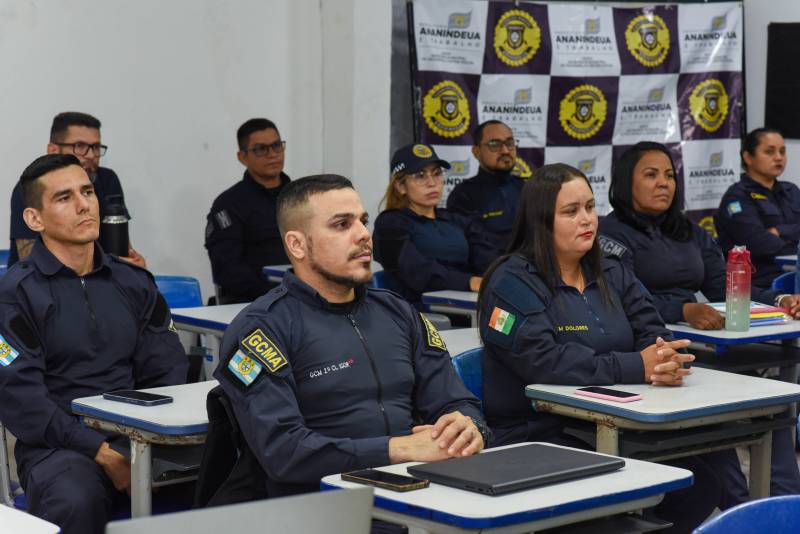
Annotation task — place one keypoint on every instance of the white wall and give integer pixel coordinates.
(171, 82)
(757, 15)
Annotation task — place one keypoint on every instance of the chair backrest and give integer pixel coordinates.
(778, 514)
(379, 280)
(179, 291)
(468, 367)
(785, 283)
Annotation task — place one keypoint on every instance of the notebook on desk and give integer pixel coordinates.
(516, 468)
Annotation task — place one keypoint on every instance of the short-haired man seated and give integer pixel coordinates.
(75, 322)
(325, 374)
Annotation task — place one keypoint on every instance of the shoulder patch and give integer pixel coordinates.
(433, 339)
(264, 349)
(7, 353)
(244, 368)
(223, 219)
(522, 297)
(610, 246)
(758, 196)
(502, 320)
(734, 207)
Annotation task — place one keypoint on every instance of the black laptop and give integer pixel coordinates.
(516, 468)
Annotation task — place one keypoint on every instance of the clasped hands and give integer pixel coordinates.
(453, 434)
(663, 364)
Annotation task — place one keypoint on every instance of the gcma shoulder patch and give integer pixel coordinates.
(265, 350)
(433, 338)
(7, 353)
(244, 368)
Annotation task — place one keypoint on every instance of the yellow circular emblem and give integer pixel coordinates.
(517, 37)
(522, 169)
(647, 38)
(708, 104)
(583, 111)
(446, 109)
(245, 366)
(707, 224)
(421, 151)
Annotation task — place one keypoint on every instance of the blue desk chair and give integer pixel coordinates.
(785, 283)
(468, 367)
(4, 256)
(379, 280)
(776, 514)
(179, 291)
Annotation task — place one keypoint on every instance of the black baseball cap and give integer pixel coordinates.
(413, 158)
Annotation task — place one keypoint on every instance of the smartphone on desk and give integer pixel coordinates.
(382, 479)
(608, 394)
(141, 398)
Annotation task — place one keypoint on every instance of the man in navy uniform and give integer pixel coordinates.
(491, 195)
(242, 229)
(78, 134)
(75, 322)
(326, 375)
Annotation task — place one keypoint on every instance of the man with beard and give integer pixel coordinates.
(491, 195)
(327, 375)
(77, 134)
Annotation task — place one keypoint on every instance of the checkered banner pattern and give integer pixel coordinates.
(578, 83)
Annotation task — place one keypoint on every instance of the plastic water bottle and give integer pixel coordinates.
(737, 295)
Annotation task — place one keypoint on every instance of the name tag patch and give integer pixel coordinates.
(502, 321)
(734, 207)
(758, 196)
(434, 339)
(7, 353)
(265, 350)
(244, 368)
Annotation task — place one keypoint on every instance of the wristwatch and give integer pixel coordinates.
(486, 433)
(779, 298)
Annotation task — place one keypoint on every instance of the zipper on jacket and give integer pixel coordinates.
(374, 371)
(88, 304)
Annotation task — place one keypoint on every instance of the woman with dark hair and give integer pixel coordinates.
(760, 211)
(555, 311)
(674, 259)
(420, 246)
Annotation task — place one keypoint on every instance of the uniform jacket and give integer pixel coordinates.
(319, 388)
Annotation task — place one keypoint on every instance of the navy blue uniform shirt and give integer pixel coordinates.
(673, 271)
(747, 210)
(107, 189)
(319, 388)
(422, 254)
(66, 337)
(242, 237)
(491, 197)
(531, 335)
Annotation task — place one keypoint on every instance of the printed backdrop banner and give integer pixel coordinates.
(579, 83)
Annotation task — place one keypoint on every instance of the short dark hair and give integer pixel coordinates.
(477, 135)
(620, 194)
(64, 120)
(251, 126)
(753, 139)
(30, 186)
(295, 194)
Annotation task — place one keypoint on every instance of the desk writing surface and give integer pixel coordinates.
(705, 392)
(787, 260)
(185, 415)
(216, 317)
(467, 299)
(459, 340)
(467, 509)
(17, 521)
(755, 334)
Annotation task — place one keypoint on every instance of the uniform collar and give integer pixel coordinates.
(248, 179)
(47, 264)
(486, 174)
(309, 295)
(650, 223)
(749, 183)
(441, 215)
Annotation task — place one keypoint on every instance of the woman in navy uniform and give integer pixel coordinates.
(760, 211)
(422, 247)
(674, 259)
(555, 311)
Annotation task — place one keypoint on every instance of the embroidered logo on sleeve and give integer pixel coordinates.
(611, 247)
(434, 339)
(734, 207)
(758, 196)
(7, 353)
(244, 368)
(502, 321)
(223, 219)
(265, 350)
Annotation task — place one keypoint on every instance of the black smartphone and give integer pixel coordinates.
(382, 479)
(141, 398)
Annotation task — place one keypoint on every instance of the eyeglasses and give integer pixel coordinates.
(495, 144)
(263, 150)
(421, 177)
(81, 149)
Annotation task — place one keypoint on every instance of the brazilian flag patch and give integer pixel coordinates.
(244, 368)
(433, 338)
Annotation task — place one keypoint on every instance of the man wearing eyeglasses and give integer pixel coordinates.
(491, 195)
(78, 134)
(242, 228)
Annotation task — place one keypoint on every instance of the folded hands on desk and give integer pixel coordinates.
(663, 364)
